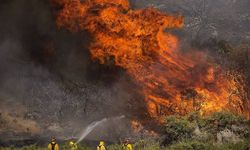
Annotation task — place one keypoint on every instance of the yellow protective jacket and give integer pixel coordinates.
(101, 147)
(73, 147)
(53, 146)
(127, 147)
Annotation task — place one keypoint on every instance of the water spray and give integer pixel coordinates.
(94, 124)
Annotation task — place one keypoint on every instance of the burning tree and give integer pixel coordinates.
(172, 82)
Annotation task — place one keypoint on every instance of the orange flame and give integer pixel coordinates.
(171, 82)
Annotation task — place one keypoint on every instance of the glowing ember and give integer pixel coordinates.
(171, 82)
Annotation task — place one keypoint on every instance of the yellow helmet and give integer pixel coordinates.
(71, 143)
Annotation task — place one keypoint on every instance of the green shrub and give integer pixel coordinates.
(177, 128)
(80, 147)
(220, 121)
(30, 147)
(83, 147)
(225, 119)
(192, 145)
(147, 144)
(114, 147)
(181, 146)
(195, 145)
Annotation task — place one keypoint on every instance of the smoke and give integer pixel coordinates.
(49, 85)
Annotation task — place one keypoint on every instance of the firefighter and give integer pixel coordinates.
(53, 145)
(127, 145)
(73, 145)
(101, 146)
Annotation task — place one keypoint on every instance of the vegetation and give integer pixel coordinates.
(185, 145)
(178, 128)
(194, 126)
(219, 131)
(196, 145)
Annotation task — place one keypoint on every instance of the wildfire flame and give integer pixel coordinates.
(136, 40)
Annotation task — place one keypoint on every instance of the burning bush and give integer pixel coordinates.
(171, 82)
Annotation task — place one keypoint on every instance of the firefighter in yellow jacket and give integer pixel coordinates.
(127, 145)
(53, 145)
(73, 145)
(101, 146)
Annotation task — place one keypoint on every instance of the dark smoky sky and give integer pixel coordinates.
(47, 76)
(48, 72)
